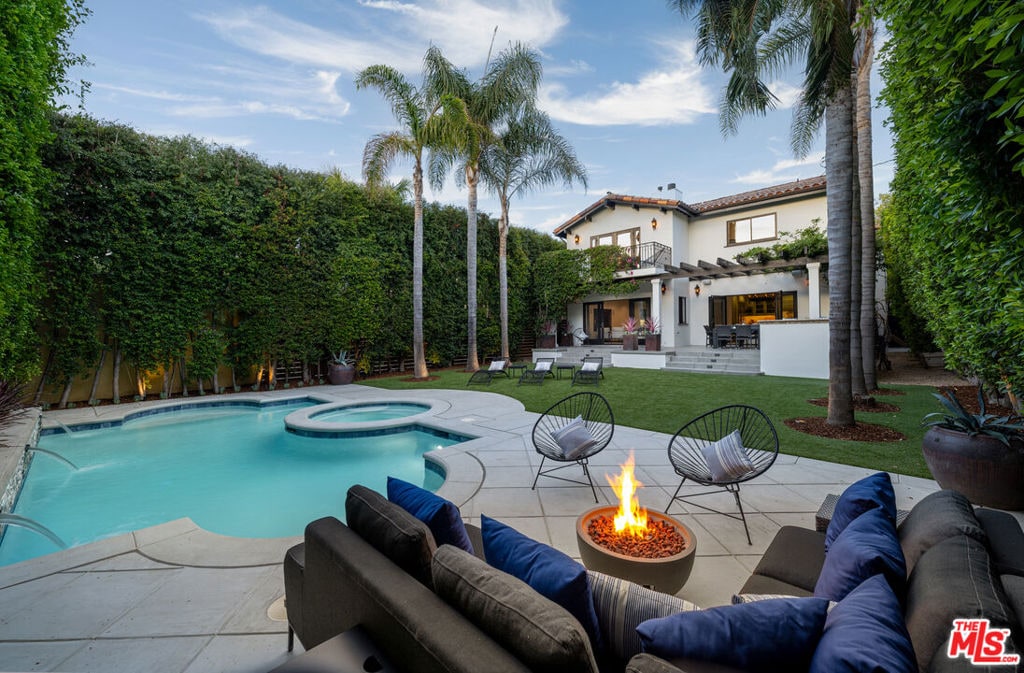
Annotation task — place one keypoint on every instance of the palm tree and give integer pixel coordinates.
(754, 38)
(508, 84)
(529, 154)
(429, 122)
(865, 170)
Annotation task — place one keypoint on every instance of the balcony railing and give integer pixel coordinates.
(644, 256)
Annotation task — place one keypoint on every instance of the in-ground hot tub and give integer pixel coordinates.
(366, 417)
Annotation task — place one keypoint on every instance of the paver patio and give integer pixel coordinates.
(179, 599)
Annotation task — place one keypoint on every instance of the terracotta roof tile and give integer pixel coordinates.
(753, 196)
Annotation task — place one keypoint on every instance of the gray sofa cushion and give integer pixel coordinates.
(621, 605)
(953, 579)
(938, 516)
(392, 531)
(795, 557)
(1005, 541)
(541, 634)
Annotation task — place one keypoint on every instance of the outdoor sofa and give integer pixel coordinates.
(378, 574)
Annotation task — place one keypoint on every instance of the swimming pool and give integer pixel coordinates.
(231, 469)
(370, 411)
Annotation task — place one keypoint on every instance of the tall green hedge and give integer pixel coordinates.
(34, 58)
(955, 91)
(158, 249)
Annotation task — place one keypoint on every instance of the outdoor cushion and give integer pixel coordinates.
(771, 635)
(590, 366)
(865, 632)
(794, 557)
(573, 438)
(496, 366)
(392, 531)
(951, 580)
(726, 458)
(548, 571)
(542, 366)
(866, 547)
(541, 634)
(1005, 541)
(441, 516)
(938, 516)
(622, 605)
(860, 496)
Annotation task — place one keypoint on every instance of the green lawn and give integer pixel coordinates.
(664, 401)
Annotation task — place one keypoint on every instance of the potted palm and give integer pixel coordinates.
(341, 369)
(630, 340)
(981, 455)
(652, 341)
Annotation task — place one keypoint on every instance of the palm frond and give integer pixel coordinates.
(403, 98)
(381, 151)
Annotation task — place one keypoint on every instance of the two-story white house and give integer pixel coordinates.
(685, 257)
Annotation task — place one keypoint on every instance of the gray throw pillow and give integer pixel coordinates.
(726, 458)
(936, 517)
(537, 631)
(621, 605)
(574, 438)
(392, 531)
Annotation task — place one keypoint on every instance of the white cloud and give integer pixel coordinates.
(397, 34)
(782, 171)
(673, 94)
(787, 94)
(148, 93)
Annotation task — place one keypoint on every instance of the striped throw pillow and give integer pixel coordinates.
(726, 458)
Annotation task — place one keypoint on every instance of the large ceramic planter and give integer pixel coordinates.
(984, 469)
(340, 374)
(630, 342)
(653, 342)
(546, 341)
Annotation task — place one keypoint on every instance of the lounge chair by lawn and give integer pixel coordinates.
(498, 367)
(543, 368)
(591, 371)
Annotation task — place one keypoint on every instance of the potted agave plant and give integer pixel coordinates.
(981, 455)
(630, 340)
(341, 370)
(652, 341)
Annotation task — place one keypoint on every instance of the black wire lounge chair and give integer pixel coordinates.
(723, 448)
(591, 371)
(572, 431)
(542, 368)
(497, 367)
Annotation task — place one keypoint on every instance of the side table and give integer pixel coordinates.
(516, 370)
(571, 369)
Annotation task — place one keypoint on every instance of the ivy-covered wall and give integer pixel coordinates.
(954, 74)
(169, 260)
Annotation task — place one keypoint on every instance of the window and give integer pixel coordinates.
(682, 311)
(760, 228)
(623, 239)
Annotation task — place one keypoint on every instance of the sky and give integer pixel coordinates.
(276, 79)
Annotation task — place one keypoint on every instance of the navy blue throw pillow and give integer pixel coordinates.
(548, 571)
(441, 516)
(865, 632)
(776, 634)
(868, 546)
(859, 497)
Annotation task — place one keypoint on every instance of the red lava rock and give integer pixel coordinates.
(661, 540)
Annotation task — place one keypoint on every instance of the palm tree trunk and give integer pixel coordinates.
(503, 275)
(96, 376)
(839, 177)
(857, 387)
(419, 358)
(472, 177)
(865, 175)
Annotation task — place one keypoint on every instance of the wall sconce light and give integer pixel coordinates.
(663, 288)
(654, 223)
(576, 239)
(696, 289)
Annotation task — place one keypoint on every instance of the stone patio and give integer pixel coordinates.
(176, 598)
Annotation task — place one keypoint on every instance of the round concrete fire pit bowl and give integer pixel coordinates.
(667, 574)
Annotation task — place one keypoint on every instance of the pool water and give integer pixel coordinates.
(362, 413)
(233, 471)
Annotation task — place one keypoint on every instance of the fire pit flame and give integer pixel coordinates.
(631, 518)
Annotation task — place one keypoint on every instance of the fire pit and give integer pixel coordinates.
(649, 548)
